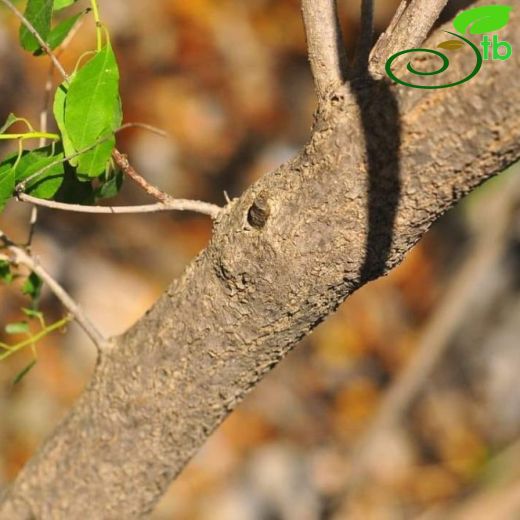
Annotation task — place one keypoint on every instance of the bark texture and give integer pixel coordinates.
(383, 163)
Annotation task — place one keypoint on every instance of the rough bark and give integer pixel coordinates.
(383, 163)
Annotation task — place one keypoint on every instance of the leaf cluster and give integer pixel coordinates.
(77, 167)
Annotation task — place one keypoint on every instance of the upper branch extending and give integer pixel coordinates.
(325, 42)
(409, 28)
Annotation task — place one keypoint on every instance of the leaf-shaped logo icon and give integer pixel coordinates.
(451, 45)
(483, 19)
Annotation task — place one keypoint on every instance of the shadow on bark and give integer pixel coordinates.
(382, 132)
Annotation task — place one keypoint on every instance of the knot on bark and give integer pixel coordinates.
(259, 211)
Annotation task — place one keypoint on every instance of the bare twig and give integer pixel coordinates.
(435, 340)
(21, 257)
(408, 29)
(32, 226)
(122, 161)
(366, 35)
(144, 126)
(44, 114)
(43, 44)
(325, 42)
(197, 206)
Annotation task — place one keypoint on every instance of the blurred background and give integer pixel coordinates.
(404, 404)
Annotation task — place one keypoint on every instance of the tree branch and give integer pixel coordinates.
(197, 206)
(408, 29)
(381, 166)
(122, 161)
(325, 43)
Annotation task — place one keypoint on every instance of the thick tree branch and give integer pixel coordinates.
(382, 165)
(408, 29)
(325, 43)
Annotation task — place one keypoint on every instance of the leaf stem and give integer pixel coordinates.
(97, 19)
(37, 337)
(30, 135)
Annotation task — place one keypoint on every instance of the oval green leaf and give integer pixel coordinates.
(91, 113)
(43, 186)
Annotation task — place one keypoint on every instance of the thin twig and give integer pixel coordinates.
(43, 44)
(408, 29)
(366, 35)
(325, 43)
(21, 257)
(197, 206)
(122, 161)
(144, 126)
(32, 227)
(44, 114)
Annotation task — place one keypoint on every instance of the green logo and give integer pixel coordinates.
(479, 20)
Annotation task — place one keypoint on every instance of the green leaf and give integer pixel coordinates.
(32, 286)
(95, 162)
(11, 120)
(24, 372)
(111, 187)
(32, 313)
(7, 184)
(91, 111)
(43, 186)
(451, 45)
(39, 13)
(5, 272)
(20, 327)
(60, 32)
(483, 19)
(60, 99)
(61, 4)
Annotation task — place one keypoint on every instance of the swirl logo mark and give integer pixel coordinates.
(478, 20)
